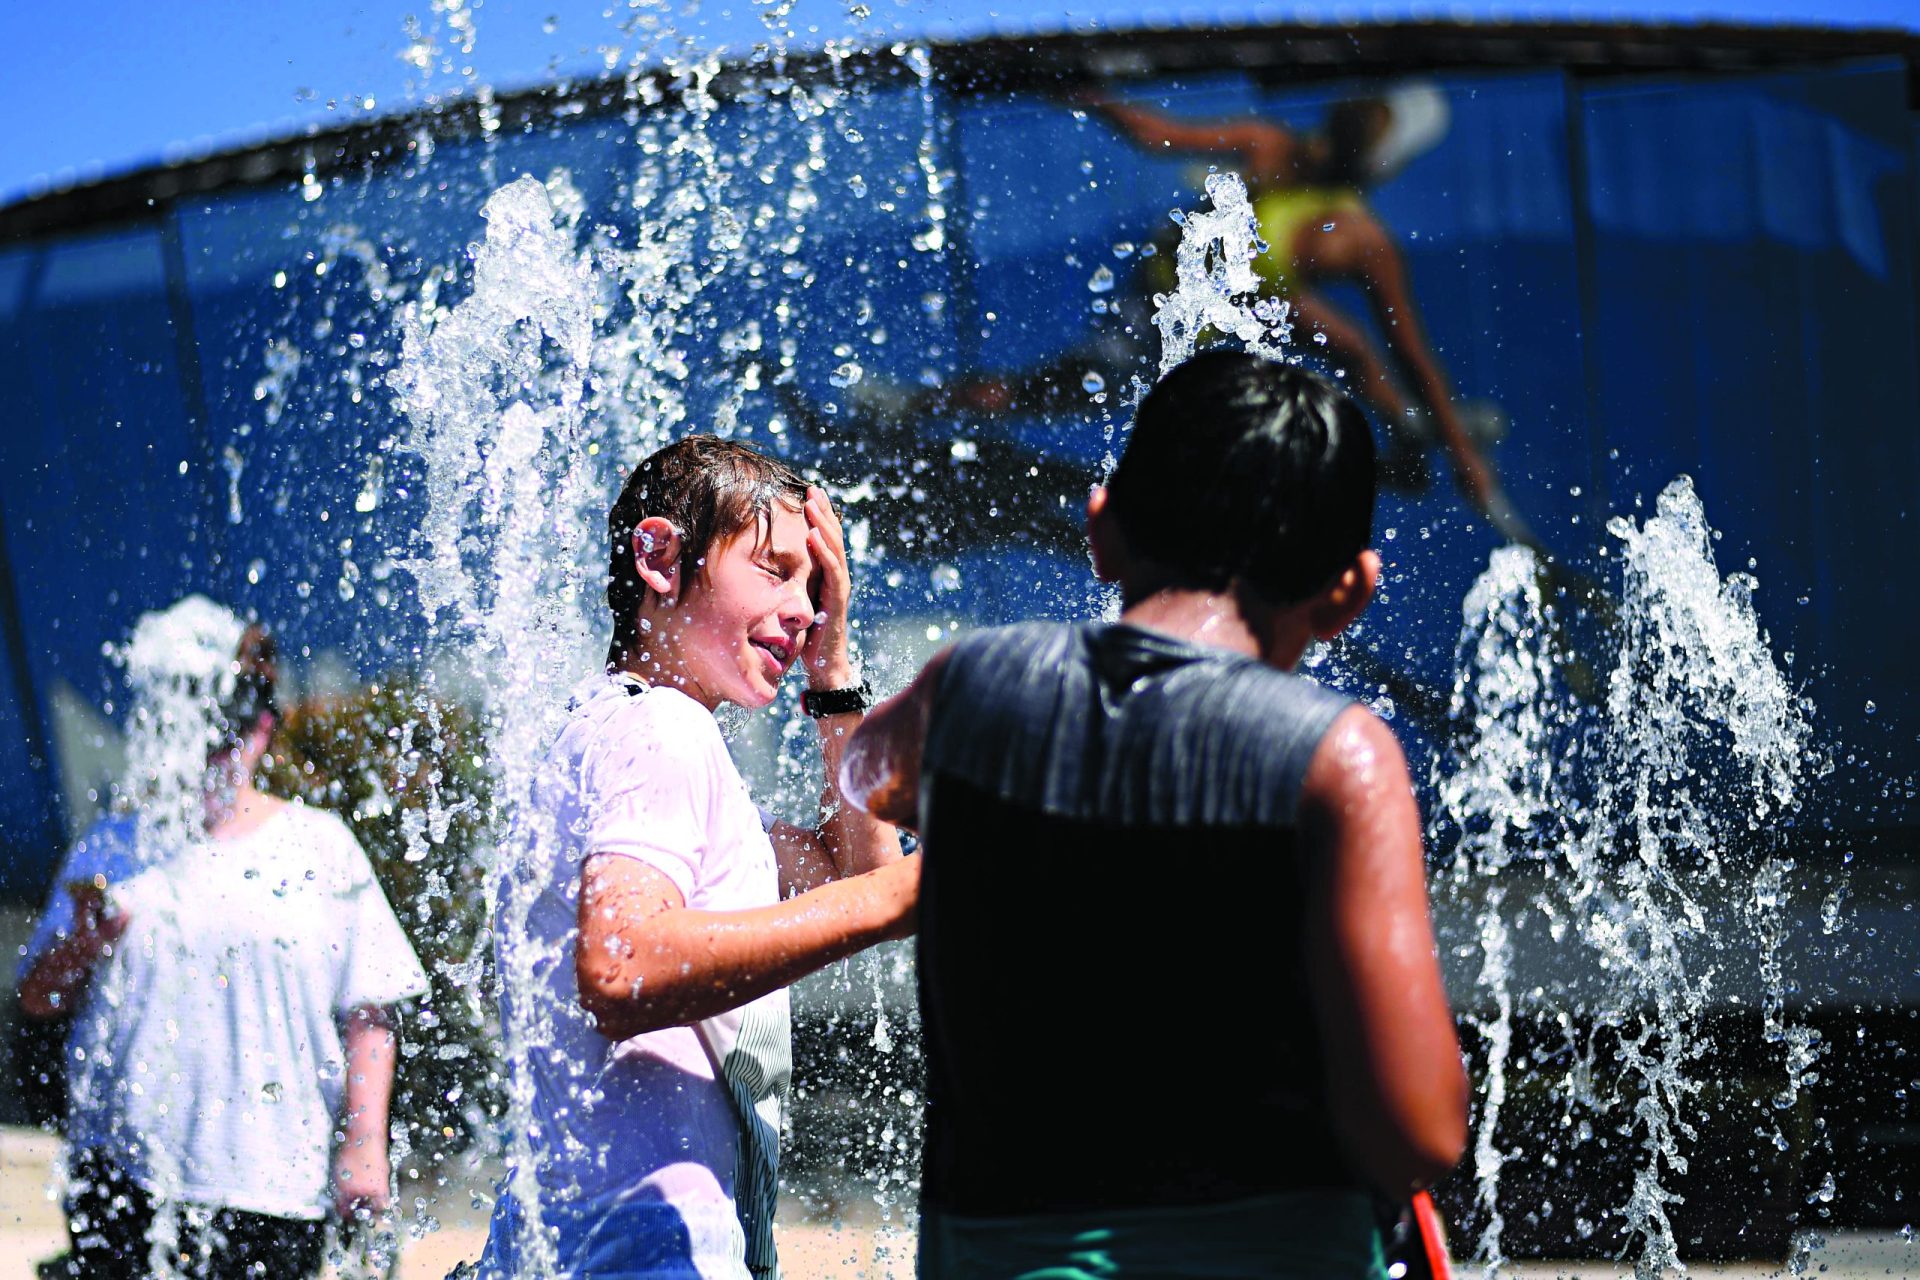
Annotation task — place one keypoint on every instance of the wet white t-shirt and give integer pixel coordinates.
(654, 1156)
(206, 1057)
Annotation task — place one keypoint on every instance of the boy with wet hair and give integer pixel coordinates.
(673, 913)
(1182, 1008)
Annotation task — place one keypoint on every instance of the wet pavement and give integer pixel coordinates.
(858, 1248)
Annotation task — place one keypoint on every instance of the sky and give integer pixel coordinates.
(91, 88)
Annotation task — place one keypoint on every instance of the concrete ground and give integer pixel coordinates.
(860, 1247)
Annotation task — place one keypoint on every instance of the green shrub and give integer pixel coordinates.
(405, 772)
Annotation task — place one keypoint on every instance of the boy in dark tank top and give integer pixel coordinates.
(1182, 1007)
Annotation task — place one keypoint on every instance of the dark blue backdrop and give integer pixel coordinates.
(1712, 276)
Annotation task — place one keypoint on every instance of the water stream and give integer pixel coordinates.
(1609, 832)
(1649, 820)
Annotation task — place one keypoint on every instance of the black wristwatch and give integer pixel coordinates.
(836, 702)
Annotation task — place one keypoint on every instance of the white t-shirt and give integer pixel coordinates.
(206, 1056)
(644, 1165)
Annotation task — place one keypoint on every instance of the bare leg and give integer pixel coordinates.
(1386, 285)
(1358, 249)
(1319, 325)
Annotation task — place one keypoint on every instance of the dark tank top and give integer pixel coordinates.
(1111, 971)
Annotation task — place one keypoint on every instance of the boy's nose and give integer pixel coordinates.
(796, 608)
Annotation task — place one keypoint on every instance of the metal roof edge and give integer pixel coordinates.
(1294, 52)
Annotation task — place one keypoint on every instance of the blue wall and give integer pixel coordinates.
(1713, 276)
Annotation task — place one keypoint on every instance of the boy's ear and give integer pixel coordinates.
(1103, 533)
(1334, 609)
(656, 555)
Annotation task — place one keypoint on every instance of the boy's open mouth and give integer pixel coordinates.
(780, 652)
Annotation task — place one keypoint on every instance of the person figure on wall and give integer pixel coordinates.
(1310, 195)
(670, 914)
(229, 964)
(1182, 1008)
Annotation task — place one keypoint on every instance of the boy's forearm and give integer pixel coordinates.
(55, 982)
(677, 967)
(368, 1097)
(856, 841)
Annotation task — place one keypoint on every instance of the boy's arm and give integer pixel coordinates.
(881, 770)
(363, 1176)
(646, 961)
(54, 983)
(1391, 1058)
(848, 840)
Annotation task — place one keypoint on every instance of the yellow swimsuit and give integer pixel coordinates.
(1281, 213)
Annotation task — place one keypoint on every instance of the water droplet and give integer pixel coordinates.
(1872, 709)
(945, 578)
(1101, 281)
(847, 374)
(270, 1091)
(1093, 383)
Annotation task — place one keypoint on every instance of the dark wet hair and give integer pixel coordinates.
(256, 675)
(711, 489)
(1241, 469)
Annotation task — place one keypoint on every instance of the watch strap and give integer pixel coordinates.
(836, 702)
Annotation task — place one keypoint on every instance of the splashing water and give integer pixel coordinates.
(180, 665)
(1699, 750)
(575, 353)
(1502, 784)
(570, 357)
(1216, 287)
(1696, 710)
(493, 388)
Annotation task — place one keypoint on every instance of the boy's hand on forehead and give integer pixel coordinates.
(831, 589)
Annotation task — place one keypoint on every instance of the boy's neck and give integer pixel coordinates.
(656, 672)
(1218, 620)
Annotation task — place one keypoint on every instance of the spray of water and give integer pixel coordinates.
(493, 389)
(180, 665)
(1217, 289)
(1501, 788)
(571, 356)
(577, 350)
(1699, 749)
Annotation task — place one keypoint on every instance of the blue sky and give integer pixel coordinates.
(93, 87)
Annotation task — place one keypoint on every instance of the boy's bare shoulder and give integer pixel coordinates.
(1358, 759)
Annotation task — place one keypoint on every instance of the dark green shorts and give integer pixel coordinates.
(1304, 1235)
